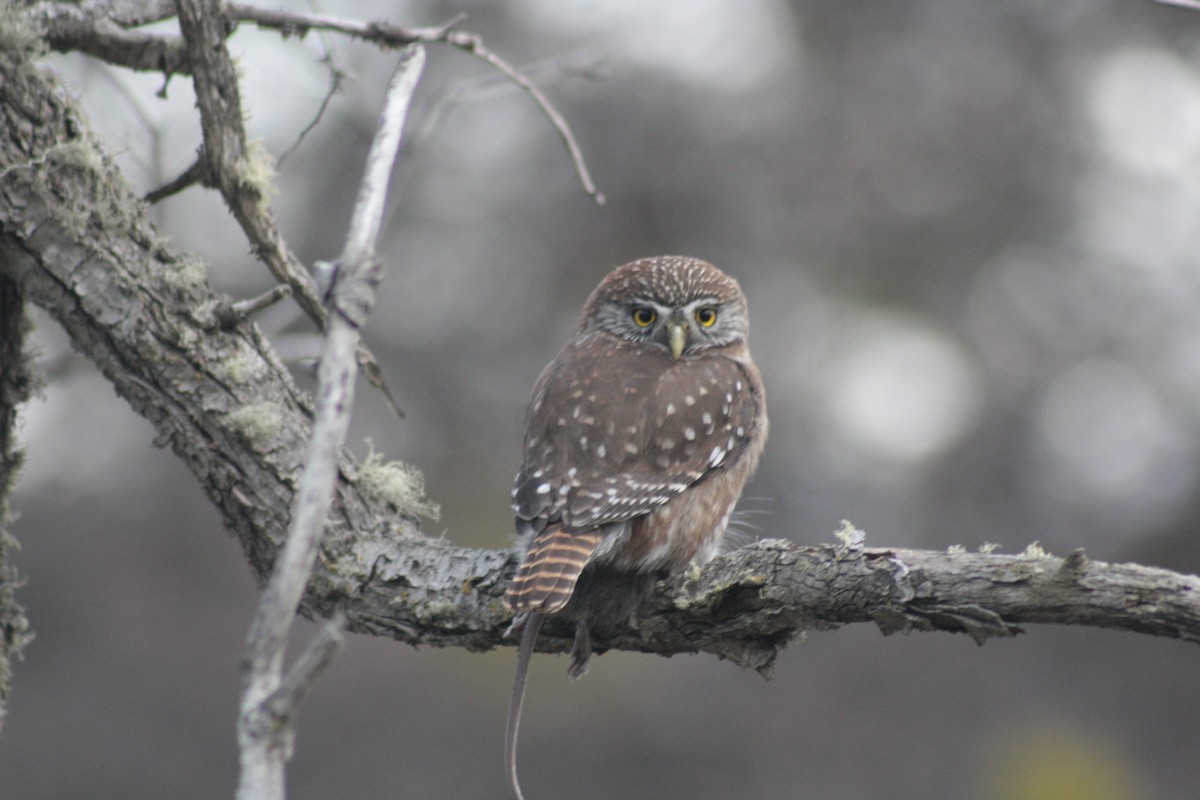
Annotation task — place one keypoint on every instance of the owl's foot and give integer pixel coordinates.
(581, 651)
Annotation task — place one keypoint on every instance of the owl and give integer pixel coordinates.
(639, 438)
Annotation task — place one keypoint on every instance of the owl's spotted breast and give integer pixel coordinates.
(600, 450)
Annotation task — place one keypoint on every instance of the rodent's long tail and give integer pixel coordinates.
(533, 624)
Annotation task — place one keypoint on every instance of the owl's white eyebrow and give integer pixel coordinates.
(646, 301)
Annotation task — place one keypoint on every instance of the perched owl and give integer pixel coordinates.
(638, 440)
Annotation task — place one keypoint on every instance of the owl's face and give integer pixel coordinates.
(681, 305)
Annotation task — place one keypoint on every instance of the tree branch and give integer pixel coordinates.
(350, 296)
(386, 34)
(75, 237)
(243, 179)
(103, 32)
(16, 384)
(242, 183)
(69, 28)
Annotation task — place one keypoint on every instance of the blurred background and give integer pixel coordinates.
(970, 236)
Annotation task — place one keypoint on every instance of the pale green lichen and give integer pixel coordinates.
(397, 484)
(242, 368)
(1034, 550)
(988, 547)
(258, 423)
(256, 171)
(956, 549)
(19, 31)
(185, 273)
(850, 536)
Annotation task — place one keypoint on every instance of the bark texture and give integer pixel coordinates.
(16, 383)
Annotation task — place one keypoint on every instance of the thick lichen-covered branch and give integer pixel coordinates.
(16, 384)
(76, 239)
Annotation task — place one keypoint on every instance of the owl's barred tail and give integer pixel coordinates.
(547, 576)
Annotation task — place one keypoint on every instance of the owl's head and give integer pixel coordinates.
(681, 304)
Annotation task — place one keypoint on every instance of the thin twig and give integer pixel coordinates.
(308, 668)
(384, 33)
(107, 40)
(337, 75)
(267, 298)
(189, 177)
(472, 44)
(264, 748)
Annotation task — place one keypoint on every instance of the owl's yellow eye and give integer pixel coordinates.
(644, 316)
(706, 316)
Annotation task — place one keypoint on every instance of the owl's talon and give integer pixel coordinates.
(581, 651)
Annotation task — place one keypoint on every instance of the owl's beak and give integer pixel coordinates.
(676, 337)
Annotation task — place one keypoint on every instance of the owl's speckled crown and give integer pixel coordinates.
(670, 280)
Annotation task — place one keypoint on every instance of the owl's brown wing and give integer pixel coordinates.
(616, 430)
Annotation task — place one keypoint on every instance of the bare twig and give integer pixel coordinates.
(234, 313)
(276, 716)
(384, 33)
(69, 27)
(299, 23)
(230, 167)
(106, 38)
(226, 158)
(337, 75)
(474, 45)
(351, 294)
(189, 177)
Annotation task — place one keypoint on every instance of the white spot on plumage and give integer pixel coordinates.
(689, 433)
(543, 488)
(716, 456)
(630, 447)
(601, 450)
(691, 401)
(670, 408)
